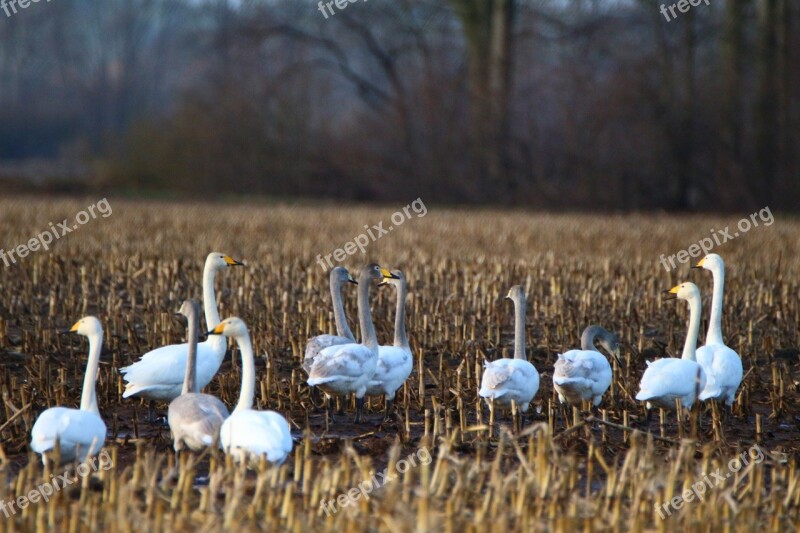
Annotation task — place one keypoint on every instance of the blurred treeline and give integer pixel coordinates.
(546, 103)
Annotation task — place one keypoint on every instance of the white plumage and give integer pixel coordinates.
(585, 374)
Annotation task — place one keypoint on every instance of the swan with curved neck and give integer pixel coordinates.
(585, 374)
(247, 433)
(669, 378)
(338, 277)
(394, 362)
(348, 368)
(722, 365)
(159, 374)
(507, 380)
(80, 432)
(194, 418)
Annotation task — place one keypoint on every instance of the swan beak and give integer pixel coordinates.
(351, 279)
(388, 275)
(73, 329)
(232, 262)
(700, 263)
(672, 293)
(616, 355)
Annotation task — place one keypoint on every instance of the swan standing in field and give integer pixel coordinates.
(348, 368)
(394, 362)
(194, 418)
(80, 432)
(159, 374)
(248, 433)
(722, 365)
(514, 379)
(669, 378)
(339, 276)
(585, 374)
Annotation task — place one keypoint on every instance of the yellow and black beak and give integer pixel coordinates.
(73, 329)
(216, 331)
(232, 262)
(700, 263)
(672, 293)
(387, 275)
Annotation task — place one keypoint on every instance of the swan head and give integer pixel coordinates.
(218, 261)
(342, 276)
(398, 279)
(711, 262)
(685, 291)
(610, 342)
(86, 326)
(373, 272)
(516, 294)
(230, 327)
(189, 309)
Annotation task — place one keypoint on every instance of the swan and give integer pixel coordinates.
(669, 378)
(80, 432)
(339, 276)
(348, 368)
(722, 365)
(194, 418)
(159, 374)
(585, 374)
(248, 433)
(394, 362)
(514, 379)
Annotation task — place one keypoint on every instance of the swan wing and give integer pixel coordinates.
(80, 433)
(346, 361)
(257, 433)
(316, 344)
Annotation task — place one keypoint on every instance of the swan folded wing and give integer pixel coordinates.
(166, 367)
(497, 376)
(670, 377)
(198, 415)
(391, 358)
(72, 427)
(334, 362)
(316, 344)
(259, 433)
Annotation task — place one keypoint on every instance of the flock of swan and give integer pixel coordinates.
(338, 365)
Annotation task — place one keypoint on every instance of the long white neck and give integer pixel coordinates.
(714, 335)
(190, 378)
(89, 398)
(519, 328)
(210, 297)
(400, 337)
(368, 336)
(695, 310)
(248, 373)
(342, 327)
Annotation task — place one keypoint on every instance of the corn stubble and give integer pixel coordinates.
(555, 468)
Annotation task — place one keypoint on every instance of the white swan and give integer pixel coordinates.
(348, 368)
(248, 433)
(194, 418)
(585, 374)
(339, 276)
(394, 362)
(80, 432)
(512, 379)
(722, 365)
(669, 378)
(159, 374)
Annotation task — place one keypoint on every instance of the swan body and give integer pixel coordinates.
(507, 380)
(339, 276)
(159, 374)
(670, 378)
(194, 418)
(79, 432)
(248, 433)
(394, 362)
(348, 368)
(722, 365)
(585, 374)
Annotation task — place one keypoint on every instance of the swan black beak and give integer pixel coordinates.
(64, 332)
(615, 353)
(669, 295)
(232, 262)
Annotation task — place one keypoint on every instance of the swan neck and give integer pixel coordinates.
(368, 335)
(714, 335)
(400, 337)
(342, 327)
(248, 373)
(588, 337)
(519, 328)
(190, 379)
(89, 397)
(695, 310)
(209, 296)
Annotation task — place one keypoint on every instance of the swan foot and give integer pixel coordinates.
(388, 413)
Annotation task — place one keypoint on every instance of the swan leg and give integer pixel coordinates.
(340, 412)
(329, 411)
(388, 413)
(359, 410)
